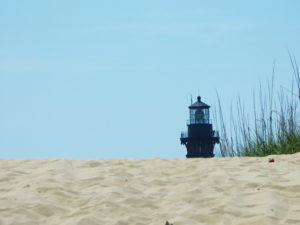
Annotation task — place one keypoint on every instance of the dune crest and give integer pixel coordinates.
(153, 191)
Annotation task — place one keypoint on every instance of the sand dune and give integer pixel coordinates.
(224, 191)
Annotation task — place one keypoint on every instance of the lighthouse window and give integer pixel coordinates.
(199, 116)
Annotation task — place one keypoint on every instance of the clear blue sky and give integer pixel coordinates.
(113, 79)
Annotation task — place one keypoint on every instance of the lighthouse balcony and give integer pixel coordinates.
(184, 134)
(216, 134)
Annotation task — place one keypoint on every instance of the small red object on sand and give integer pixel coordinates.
(271, 160)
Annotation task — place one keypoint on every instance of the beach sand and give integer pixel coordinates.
(244, 191)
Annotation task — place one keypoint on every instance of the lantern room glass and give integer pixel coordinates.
(199, 116)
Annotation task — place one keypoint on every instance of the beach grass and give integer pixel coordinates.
(274, 127)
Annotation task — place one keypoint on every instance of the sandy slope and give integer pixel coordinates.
(133, 191)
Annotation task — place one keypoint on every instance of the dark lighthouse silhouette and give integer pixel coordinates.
(200, 138)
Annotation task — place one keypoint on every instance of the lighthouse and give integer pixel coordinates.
(200, 137)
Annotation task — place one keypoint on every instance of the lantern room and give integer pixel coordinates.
(199, 112)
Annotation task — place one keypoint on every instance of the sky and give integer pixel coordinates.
(114, 79)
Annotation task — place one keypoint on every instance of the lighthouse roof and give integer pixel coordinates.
(199, 104)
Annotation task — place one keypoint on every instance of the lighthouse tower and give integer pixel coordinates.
(200, 138)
